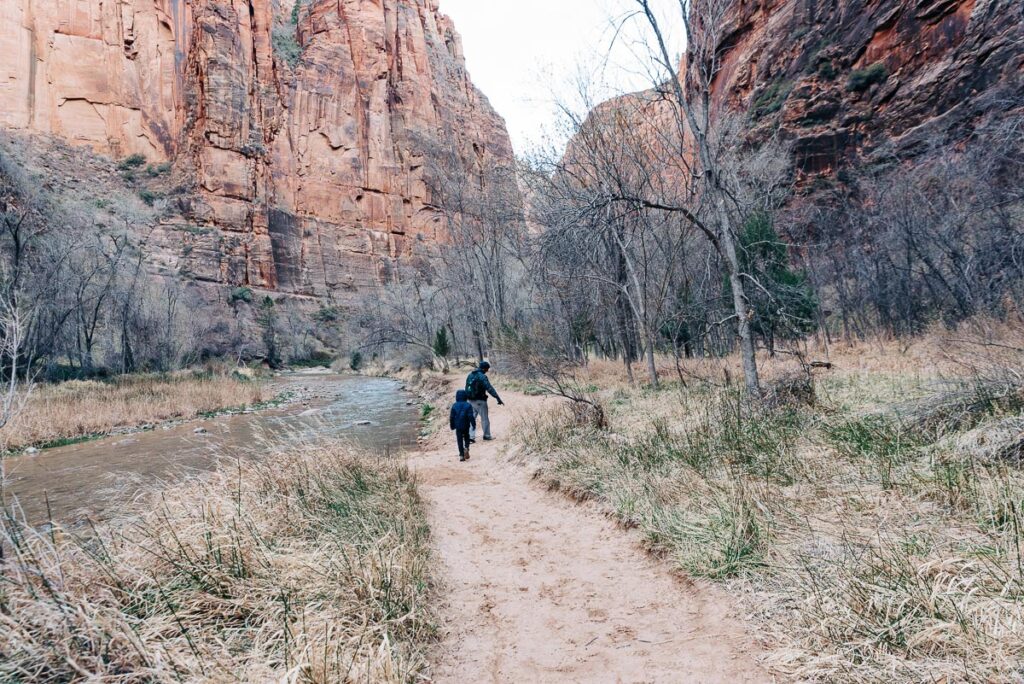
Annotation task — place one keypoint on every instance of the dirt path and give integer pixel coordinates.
(542, 590)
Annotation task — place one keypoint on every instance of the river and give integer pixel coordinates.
(89, 480)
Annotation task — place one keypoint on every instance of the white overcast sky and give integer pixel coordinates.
(524, 54)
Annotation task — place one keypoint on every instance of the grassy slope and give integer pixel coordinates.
(876, 531)
(311, 566)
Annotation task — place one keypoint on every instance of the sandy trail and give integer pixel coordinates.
(539, 589)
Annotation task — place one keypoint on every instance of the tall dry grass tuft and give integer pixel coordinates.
(80, 408)
(872, 519)
(310, 566)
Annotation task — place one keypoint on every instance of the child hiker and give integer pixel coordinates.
(462, 418)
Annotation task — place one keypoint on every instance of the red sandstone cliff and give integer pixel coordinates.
(307, 177)
(852, 80)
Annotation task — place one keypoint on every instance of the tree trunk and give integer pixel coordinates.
(739, 300)
(679, 365)
(652, 368)
(479, 345)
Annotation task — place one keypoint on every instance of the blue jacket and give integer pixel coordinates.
(462, 416)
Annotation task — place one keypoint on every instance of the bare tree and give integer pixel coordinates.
(708, 138)
(406, 315)
(626, 249)
(478, 266)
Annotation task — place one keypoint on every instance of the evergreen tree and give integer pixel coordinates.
(442, 347)
(783, 303)
(266, 318)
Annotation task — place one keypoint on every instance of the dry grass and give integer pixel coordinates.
(310, 566)
(53, 414)
(874, 528)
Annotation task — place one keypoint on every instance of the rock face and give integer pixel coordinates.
(851, 81)
(304, 149)
(93, 72)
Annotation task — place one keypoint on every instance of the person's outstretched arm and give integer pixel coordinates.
(493, 392)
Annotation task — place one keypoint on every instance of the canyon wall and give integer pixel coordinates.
(306, 173)
(852, 83)
(855, 81)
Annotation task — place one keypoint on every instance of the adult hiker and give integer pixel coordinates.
(478, 387)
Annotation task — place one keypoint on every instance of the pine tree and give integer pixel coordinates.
(782, 301)
(266, 318)
(442, 347)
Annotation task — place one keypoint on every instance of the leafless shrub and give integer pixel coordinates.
(794, 389)
(555, 375)
(958, 405)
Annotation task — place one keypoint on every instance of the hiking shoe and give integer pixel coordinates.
(488, 439)
(472, 441)
(462, 458)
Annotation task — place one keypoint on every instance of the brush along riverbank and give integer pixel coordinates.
(78, 410)
(310, 565)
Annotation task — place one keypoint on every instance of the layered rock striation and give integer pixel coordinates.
(851, 82)
(303, 140)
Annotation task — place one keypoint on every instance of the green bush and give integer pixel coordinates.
(132, 162)
(286, 45)
(327, 314)
(154, 170)
(317, 359)
(241, 294)
(826, 70)
(254, 150)
(148, 197)
(442, 347)
(355, 362)
(862, 79)
(784, 305)
(771, 99)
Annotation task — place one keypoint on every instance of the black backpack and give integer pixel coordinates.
(475, 386)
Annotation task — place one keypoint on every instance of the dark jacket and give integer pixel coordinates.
(462, 416)
(483, 383)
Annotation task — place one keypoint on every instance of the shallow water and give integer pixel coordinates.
(89, 480)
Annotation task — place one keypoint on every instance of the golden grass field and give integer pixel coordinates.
(52, 414)
(311, 565)
(871, 521)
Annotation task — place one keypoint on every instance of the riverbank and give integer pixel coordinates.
(80, 410)
(867, 516)
(94, 479)
(312, 564)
